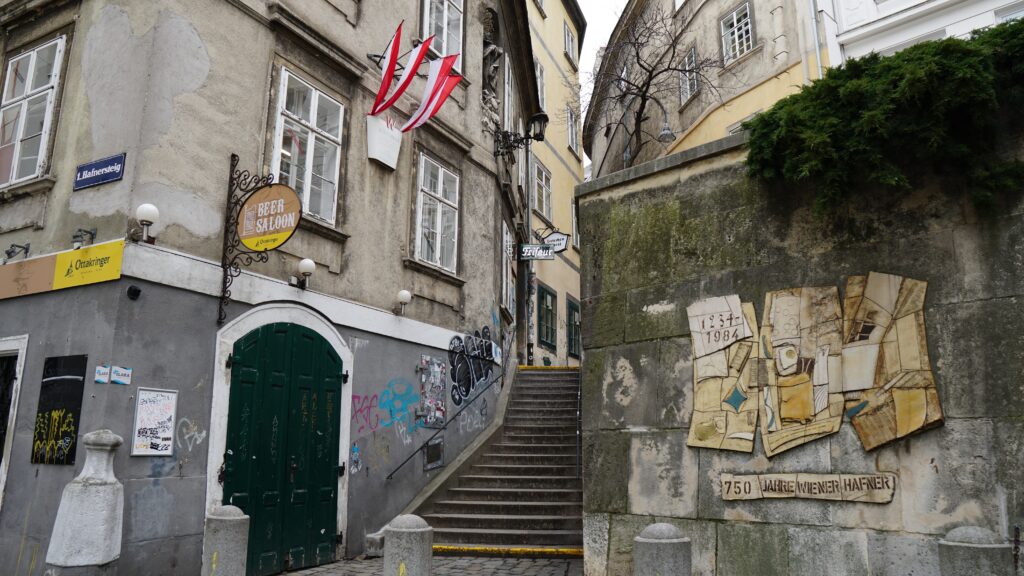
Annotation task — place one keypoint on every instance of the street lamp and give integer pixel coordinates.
(505, 141)
(147, 215)
(306, 269)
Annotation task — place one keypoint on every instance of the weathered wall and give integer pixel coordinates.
(691, 226)
(167, 337)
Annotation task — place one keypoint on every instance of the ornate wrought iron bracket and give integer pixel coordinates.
(241, 185)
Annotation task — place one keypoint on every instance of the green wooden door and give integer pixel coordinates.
(281, 456)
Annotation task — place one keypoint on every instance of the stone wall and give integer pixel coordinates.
(663, 235)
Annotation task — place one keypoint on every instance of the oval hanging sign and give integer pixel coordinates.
(269, 217)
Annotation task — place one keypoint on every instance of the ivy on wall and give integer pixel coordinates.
(936, 107)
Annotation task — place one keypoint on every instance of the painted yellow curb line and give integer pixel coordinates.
(525, 368)
(505, 551)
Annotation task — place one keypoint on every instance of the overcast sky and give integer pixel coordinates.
(601, 17)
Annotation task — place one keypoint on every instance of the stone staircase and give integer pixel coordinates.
(520, 494)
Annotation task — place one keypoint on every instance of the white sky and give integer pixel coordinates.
(601, 17)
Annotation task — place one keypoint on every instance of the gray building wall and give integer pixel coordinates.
(690, 226)
(167, 337)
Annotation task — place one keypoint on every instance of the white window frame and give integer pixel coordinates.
(575, 225)
(420, 193)
(311, 132)
(541, 189)
(539, 71)
(573, 129)
(508, 269)
(521, 159)
(50, 89)
(12, 346)
(570, 43)
(509, 94)
(1009, 13)
(445, 49)
(738, 37)
(689, 81)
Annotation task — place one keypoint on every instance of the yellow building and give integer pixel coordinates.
(747, 56)
(557, 28)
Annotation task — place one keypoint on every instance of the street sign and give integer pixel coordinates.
(99, 172)
(536, 252)
(557, 240)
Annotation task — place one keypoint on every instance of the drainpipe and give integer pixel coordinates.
(813, 5)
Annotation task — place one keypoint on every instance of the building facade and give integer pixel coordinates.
(110, 105)
(555, 169)
(886, 27)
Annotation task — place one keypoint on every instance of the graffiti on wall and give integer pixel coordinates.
(55, 435)
(433, 383)
(364, 413)
(471, 359)
(399, 402)
(813, 360)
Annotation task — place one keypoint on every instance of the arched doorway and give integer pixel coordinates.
(281, 450)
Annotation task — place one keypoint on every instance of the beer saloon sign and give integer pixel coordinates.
(269, 217)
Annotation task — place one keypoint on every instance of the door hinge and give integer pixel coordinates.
(231, 358)
(340, 538)
(344, 377)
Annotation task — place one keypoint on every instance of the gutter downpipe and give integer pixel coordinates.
(813, 5)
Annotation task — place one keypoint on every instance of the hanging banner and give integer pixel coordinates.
(269, 217)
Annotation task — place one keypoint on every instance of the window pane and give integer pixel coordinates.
(294, 147)
(298, 100)
(437, 22)
(9, 122)
(322, 185)
(450, 187)
(32, 137)
(428, 234)
(44, 67)
(449, 225)
(28, 161)
(328, 116)
(453, 45)
(15, 84)
(431, 177)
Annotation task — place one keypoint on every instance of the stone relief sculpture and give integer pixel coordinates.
(885, 359)
(725, 368)
(811, 361)
(493, 55)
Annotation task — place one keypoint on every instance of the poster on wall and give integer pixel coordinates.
(153, 433)
(433, 382)
(55, 436)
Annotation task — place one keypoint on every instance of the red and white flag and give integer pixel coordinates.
(383, 102)
(440, 83)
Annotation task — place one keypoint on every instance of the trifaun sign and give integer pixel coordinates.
(269, 218)
(536, 252)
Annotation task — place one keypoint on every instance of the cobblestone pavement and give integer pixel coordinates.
(457, 566)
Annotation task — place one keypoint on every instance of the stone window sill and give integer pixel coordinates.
(323, 230)
(433, 272)
(39, 185)
(732, 64)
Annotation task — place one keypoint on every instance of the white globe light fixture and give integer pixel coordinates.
(306, 269)
(404, 297)
(147, 215)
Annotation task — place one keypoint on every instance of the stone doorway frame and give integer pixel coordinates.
(226, 337)
(12, 346)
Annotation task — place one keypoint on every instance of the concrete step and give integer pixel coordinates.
(565, 459)
(545, 386)
(566, 413)
(530, 438)
(508, 537)
(569, 421)
(550, 399)
(560, 428)
(509, 551)
(534, 449)
(515, 405)
(519, 481)
(524, 470)
(512, 495)
(508, 507)
(505, 521)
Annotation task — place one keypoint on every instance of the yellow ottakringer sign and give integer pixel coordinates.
(269, 217)
(90, 265)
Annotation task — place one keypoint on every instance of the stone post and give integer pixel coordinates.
(225, 541)
(408, 546)
(86, 537)
(661, 550)
(974, 550)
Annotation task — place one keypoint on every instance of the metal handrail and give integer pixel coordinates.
(501, 375)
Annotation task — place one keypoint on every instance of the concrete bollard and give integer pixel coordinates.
(86, 537)
(225, 541)
(661, 550)
(408, 547)
(974, 550)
